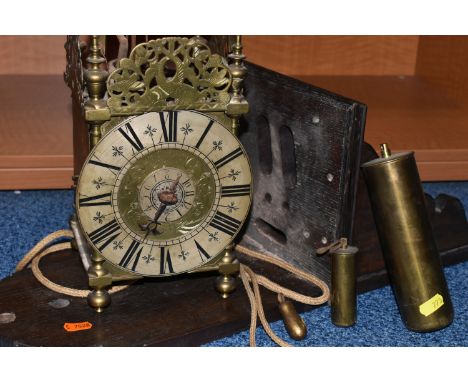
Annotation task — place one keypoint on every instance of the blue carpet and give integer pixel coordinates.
(378, 323)
(28, 216)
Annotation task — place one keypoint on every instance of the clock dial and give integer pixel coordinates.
(163, 193)
(155, 191)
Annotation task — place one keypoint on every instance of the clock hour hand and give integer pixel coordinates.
(159, 212)
(166, 198)
(169, 196)
(152, 225)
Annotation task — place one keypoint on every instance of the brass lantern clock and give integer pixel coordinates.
(166, 185)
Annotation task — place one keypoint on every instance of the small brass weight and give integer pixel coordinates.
(343, 282)
(294, 324)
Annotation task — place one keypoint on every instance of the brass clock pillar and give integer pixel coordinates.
(95, 79)
(225, 283)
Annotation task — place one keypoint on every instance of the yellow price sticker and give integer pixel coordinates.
(431, 305)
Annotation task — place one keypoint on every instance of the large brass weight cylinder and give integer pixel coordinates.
(407, 241)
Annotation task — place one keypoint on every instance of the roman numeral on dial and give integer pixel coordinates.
(169, 130)
(207, 129)
(165, 262)
(105, 165)
(225, 223)
(132, 250)
(240, 190)
(227, 158)
(96, 200)
(202, 252)
(105, 234)
(131, 137)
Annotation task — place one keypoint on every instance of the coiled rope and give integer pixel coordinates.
(42, 249)
(250, 280)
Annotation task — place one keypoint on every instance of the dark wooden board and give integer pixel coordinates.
(304, 145)
(180, 312)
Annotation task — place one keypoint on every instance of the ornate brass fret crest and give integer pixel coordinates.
(170, 73)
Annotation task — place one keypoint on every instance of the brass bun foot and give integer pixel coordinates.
(99, 299)
(225, 285)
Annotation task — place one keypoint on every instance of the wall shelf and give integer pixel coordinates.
(415, 87)
(410, 114)
(35, 132)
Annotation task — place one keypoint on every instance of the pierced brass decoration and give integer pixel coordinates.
(74, 70)
(169, 74)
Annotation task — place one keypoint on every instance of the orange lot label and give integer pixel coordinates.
(76, 326)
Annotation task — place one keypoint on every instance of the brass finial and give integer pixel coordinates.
(95, 75)
(237, 67)
(385, 150)
(238, 104)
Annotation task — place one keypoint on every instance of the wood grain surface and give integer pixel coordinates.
(35, 132)
(410, 114)
(306, 55)
(425, 113)
(304, 147)
(35, 178)
(334, 55)
(443, 61)
(180, 311)
(32, 55)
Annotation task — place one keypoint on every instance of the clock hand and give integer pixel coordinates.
(159, 212)
(152, 225)
(166, 198)
(169, 197)
(175, 183)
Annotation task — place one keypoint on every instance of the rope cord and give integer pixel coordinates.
(63, 233)
(39, 251)
(250, 280)
(253, 292)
